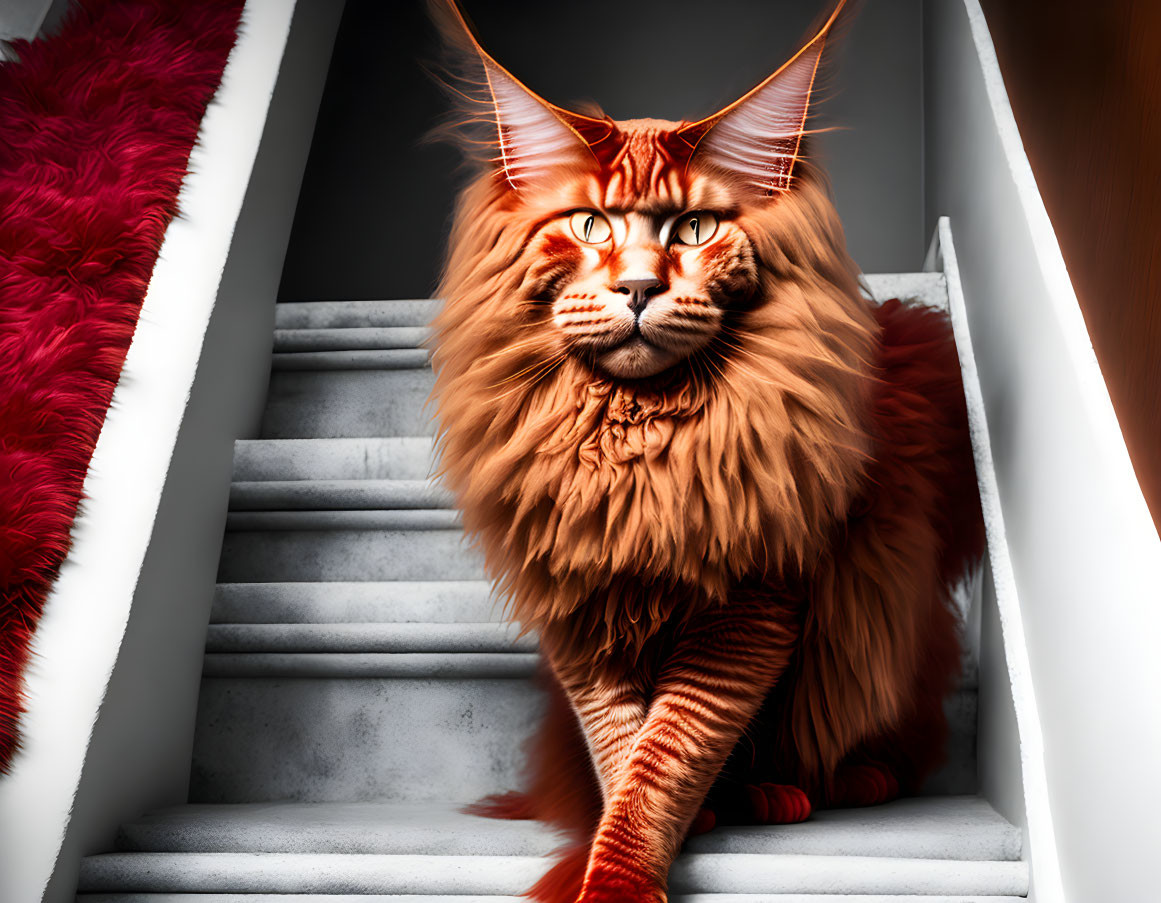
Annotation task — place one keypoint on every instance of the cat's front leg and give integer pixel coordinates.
(610, 700)
(707, 691)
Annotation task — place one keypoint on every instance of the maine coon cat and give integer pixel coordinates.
(728, 492)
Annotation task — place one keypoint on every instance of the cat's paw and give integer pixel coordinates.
(864, 784)
(777, 804)
(606, 886)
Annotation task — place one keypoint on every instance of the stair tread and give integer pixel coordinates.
(397, 457)
(419, 874)
(512, 898)
(397, 518)
(919, 828)
(332, 314)
(354, 397)
(353, 359)
(367, 665)
(380, 637)
(401, 601)
(926, 288)
(320, 546)
(332, 494)
(349, 338)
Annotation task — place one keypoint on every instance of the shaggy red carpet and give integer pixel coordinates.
(97, 123)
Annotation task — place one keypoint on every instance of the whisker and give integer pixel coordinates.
(546, 368)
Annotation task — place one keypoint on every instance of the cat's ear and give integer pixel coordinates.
(528, 138)
(758, 137)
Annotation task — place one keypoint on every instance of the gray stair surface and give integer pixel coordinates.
(360, 685)
(494, 898)
(337, 873)
(395, 458)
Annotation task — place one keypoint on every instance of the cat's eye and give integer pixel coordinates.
(590, 227)
(695, 228)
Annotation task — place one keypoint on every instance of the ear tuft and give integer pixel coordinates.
(758, 137)
(503, 121)
(533, 141)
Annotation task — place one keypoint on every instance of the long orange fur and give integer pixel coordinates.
(771, 525)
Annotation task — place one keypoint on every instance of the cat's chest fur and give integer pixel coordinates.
(629, 423)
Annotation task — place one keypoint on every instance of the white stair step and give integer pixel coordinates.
(364, 359)
(926, 288)
(356, 552)
(495, 898)
(359, 665)
(434, 734)
(367, 638)
(348, 403)
(339, 314)
(693, 872)
(351, 338)
(957, 827)
(395, 458)
(433, 601)
(333, 495)
(122, 897)
(375, 519)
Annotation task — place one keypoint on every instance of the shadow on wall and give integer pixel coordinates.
(375, 203)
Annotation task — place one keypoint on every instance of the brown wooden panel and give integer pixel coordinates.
(1084, 79)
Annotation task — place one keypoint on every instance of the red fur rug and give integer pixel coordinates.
(97, 123)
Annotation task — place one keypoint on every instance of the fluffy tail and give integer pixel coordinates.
(561, 790)
(562, 882)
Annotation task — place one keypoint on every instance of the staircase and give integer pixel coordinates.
(359, 686)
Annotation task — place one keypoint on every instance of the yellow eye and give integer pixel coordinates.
(695, 228)
(590, 227)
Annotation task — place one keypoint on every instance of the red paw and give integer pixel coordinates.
(864, 784)
(610, 887)
(777, 804)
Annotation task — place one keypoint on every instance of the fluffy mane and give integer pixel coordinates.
(614, 505)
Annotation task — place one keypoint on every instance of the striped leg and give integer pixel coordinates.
(611, 707)
(707, 691)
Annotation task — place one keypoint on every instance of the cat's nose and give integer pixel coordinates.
(639, 291)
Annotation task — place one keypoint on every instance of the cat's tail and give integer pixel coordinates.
(562, 882)
(561, 790)
(515, 805)
(561, 787)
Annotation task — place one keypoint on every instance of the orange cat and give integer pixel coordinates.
(710, 475)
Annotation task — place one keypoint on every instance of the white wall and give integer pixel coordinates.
(117, 658)
(1085, 557)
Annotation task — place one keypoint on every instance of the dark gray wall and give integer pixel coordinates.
(372, 215)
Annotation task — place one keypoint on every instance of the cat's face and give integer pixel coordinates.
(633, 242)
(640, 274)
(649, 289)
